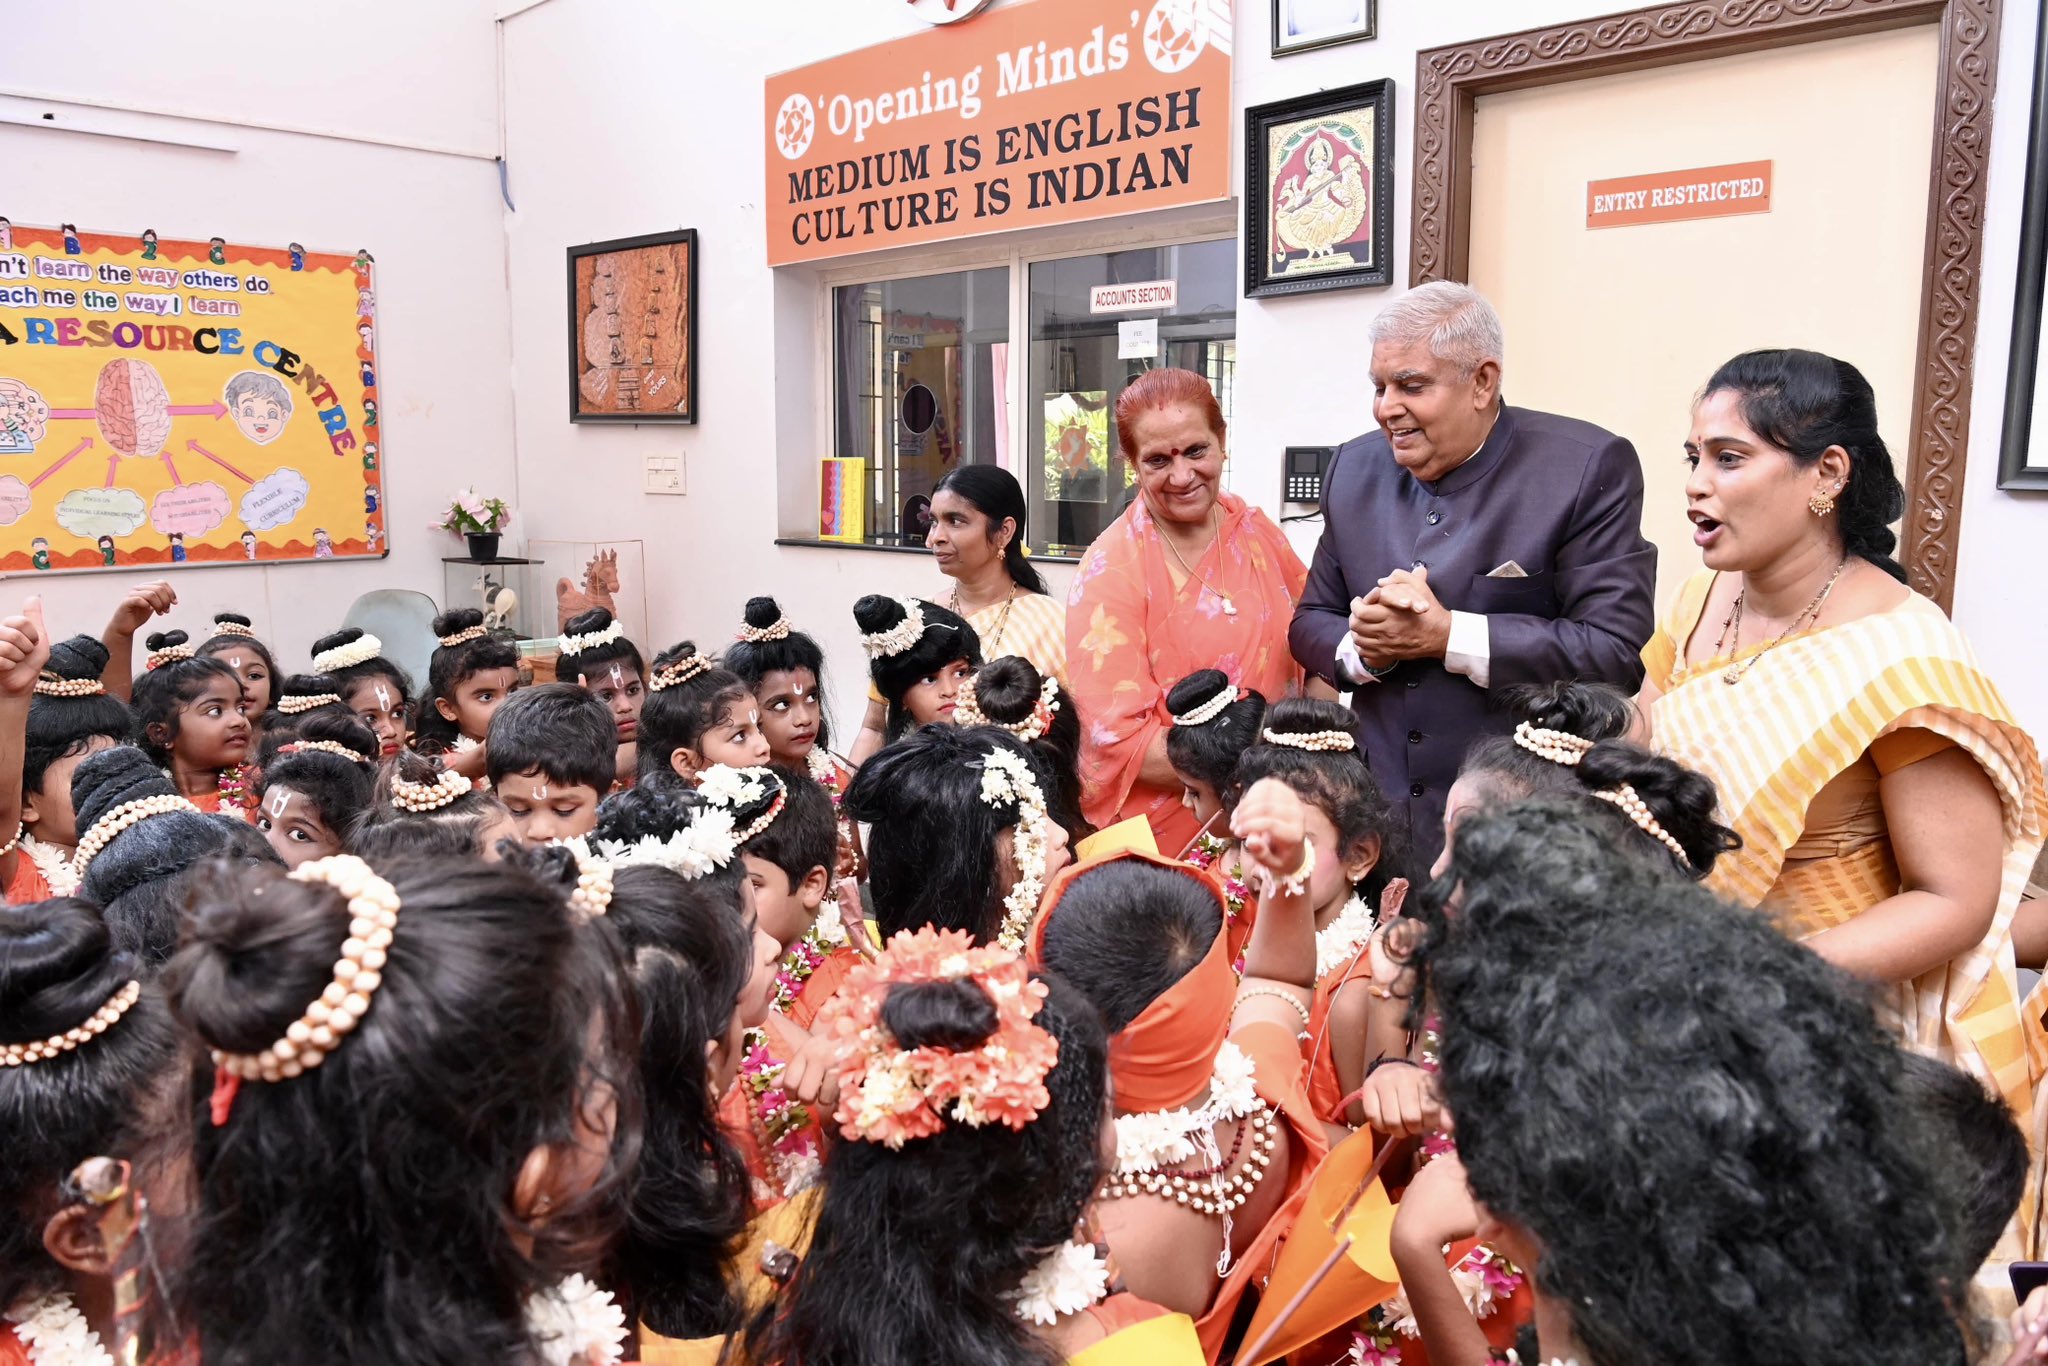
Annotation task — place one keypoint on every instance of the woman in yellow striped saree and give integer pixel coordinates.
(1889, 804)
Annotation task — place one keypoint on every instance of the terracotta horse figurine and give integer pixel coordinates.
(600, 581)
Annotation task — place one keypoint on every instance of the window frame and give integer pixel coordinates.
(1208, 223)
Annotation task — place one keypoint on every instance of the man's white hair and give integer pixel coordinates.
(1455, 319)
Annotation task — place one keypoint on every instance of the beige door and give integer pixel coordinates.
(1621, 326)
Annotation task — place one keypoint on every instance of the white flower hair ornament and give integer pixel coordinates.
(736, 789)
(1006, 780)
(361, 650)
(576, 645)
(899, 637)
(703, 846)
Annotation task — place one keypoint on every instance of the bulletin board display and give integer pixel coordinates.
(172, 402)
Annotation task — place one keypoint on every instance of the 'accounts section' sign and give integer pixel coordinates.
(1054, 111)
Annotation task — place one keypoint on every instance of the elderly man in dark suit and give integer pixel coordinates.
(1467, 546)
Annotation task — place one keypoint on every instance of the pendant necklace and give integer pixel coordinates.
(1731, 629)
(1229, 607)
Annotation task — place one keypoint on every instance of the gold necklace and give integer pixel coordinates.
(995, 637)
(1732, 627)
(1229, 607)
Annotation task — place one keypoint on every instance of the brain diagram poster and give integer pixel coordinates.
(166, 402)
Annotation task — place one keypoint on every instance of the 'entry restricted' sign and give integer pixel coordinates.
(1673, 196)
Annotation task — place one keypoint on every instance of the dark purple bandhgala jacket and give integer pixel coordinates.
(1561, 498)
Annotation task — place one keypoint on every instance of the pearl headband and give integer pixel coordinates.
(420, 798)
(1208, 711)
(774, 630)
(120, 818)
(361, 650)
(1322, 741)
(324, 747)
(1633, 806)
(899, 637)
(678, 673)
(233, 628)
(576, 645)
(463, 637)
(373, 914)
(1558, 746)
(292, 706)
(53, 685)
(169, 654)
(98, 1023)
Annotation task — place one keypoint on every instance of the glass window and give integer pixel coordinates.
(922, 383)
(1076, 482)
(921, 375)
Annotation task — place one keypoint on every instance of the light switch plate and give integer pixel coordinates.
(664, 473)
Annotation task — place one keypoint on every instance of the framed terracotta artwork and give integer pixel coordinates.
(1319, 192)
(633, 329)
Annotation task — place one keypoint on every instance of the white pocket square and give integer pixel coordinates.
(1508, 570)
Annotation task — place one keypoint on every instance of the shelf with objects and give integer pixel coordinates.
(502, 586)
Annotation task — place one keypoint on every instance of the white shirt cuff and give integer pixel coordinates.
(1469, 651)
(1349, 665)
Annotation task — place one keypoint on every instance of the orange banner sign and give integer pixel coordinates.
(1670, 196)
(1053, 111)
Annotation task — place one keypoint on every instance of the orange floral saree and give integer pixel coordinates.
(1132, 633)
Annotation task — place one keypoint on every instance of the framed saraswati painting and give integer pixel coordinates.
(633, 329)
(1319, 191)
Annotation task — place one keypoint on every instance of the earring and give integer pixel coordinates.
(1821, 503)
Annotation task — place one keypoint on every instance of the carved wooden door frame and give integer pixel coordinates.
(1451, 79)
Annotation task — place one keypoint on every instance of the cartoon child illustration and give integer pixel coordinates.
(248, 545)
(24, 417)
(366, 303)
(39, 552)
(364, 261)
(149, 244)
(260, 404)
(71, 248)
(370, 500)
(6, 234)
(298, 256)
(369, 455)
(373, 536)
(368, 348)
(369, 376)
(369, 412)
(323, 544)
(106, 550)
(216, 251)
(177, 547)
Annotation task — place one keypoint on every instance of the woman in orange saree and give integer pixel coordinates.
(1188, 578)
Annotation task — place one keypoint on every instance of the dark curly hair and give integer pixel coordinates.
(1682, 800)
(1803, 402)
(387, 831)
(1335, 782)
(447, 669)
(1701, 1125)
(478, 1047)
(932, 851)
(58, 966)
(968, 1211)
(1008, 691)
(754, 660)
(1208, 751)
(676, 717)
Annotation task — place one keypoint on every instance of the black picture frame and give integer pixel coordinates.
(1305, 120)
(1285, 49)
(660, 244)
(2020, 467)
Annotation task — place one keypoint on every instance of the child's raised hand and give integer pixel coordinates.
(1437, 1208)
(24, 649)
(143, 601)
(1271, 824)
(812, 1074)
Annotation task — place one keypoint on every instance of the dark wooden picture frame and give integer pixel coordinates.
(1286, 49)
(1313, 119)
(630, 337)
(2020, 466)
(1451, 79)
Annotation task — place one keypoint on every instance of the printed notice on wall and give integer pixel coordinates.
(1056, 111)
(169, 402)
(1673, 196)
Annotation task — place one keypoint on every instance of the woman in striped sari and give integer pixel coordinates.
(1889, 804)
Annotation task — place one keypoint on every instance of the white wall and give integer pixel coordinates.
(626, 117)
(385, 69)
